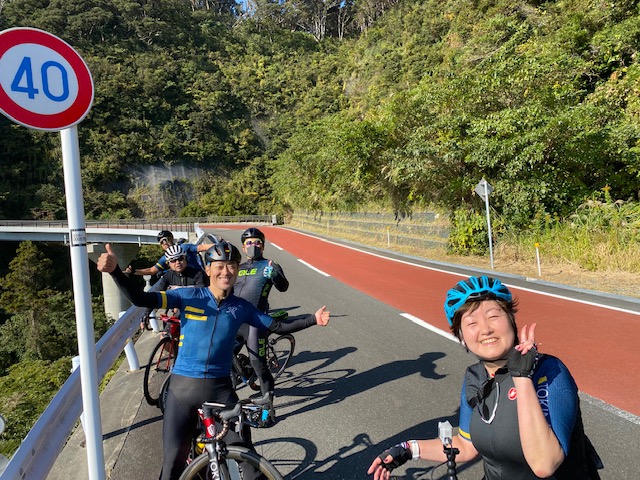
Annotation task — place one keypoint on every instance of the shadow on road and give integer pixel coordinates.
(322, 386)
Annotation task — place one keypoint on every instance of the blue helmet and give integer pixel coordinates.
(474, 289)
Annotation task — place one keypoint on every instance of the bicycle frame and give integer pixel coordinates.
(213, 438)
(242, 371)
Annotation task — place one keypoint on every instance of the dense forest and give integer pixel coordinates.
(320, 104)
(268, 106)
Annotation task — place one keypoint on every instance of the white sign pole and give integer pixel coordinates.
(82, 299)
(486, 204)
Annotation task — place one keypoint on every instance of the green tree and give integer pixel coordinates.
(41, 323)
(25, 392)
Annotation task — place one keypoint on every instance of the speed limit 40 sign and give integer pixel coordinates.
(44, 83)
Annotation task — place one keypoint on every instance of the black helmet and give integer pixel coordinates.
(252, 233)
(222, 252)
(165, 235)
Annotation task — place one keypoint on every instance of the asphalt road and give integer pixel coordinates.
(367, 381)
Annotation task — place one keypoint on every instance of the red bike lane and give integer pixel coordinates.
(595, 342)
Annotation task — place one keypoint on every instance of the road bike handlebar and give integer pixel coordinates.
(211, 412)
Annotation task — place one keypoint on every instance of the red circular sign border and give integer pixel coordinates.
(80, 107)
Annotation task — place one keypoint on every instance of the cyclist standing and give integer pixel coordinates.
(209, 324)
(256, 276)
(519, 411)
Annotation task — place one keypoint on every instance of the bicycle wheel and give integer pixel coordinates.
(162, 398)
(279, 353)
(158, 369)
(199, 468)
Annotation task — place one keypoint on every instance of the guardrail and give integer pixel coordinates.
(186, 224)
(41, 447)
(44, 442)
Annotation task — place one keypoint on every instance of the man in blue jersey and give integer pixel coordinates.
(256, 277)
(209, 322)
(519, 410)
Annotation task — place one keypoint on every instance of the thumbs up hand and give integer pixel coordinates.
(107, 262)
(322, 316)
(268, 271)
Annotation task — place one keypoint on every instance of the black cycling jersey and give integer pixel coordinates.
(254, 285)
(189, 277)
(255, 278)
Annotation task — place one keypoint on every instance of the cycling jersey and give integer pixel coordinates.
(207, 329)
(189, 277)
(252, 285)
(492, 424)
(194, 260)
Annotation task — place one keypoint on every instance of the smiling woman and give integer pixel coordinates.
(502, 419)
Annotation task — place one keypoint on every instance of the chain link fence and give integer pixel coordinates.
(420, 230)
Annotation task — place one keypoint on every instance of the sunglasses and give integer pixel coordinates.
(179, 259)
(165, 241)
(249, 243)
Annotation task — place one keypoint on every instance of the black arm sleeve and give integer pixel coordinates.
(279, 280)
(200, 280)
(292, 326)
(133, 293)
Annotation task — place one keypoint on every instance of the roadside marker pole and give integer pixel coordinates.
(483, 189)
(537, 245)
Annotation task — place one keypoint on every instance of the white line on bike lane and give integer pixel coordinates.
(314, 268)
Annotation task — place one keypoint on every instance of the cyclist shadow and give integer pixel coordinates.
(352, 460)
(322, 387)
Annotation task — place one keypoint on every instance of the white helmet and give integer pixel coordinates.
(173, 252)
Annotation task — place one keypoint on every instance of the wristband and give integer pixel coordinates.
(415, 449)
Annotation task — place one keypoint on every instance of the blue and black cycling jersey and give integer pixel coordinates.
(208, 329)
(492, 424)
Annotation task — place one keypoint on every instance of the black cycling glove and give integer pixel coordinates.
(522, 365)
(401, 454)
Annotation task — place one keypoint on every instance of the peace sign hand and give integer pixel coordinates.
(522, 360)
(527, 339)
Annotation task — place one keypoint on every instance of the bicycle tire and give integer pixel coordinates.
(198, 469)
(236, 373)
(162, 398)
(279, 353)
(158, 369)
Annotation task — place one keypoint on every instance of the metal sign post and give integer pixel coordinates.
(483, 189)
(46, 85)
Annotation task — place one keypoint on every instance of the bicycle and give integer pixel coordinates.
(161, 361)
(217, 460)
(279, 351)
